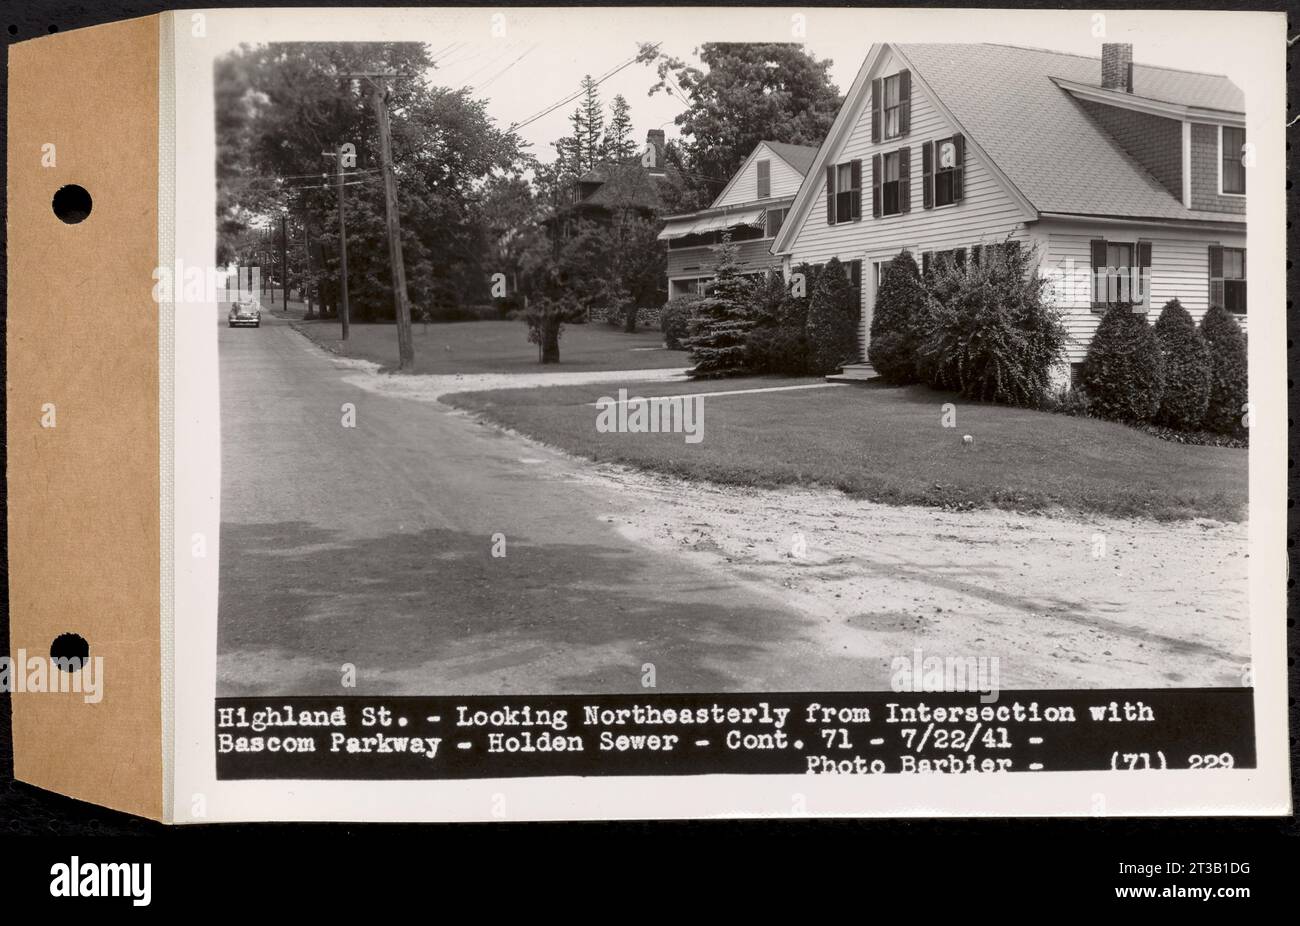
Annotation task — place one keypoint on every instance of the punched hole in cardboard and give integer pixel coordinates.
(72, 203)
(68, 647)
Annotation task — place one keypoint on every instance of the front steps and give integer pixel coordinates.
(853, 373)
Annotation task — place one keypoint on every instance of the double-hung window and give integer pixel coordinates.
(1121, 272)
(892, 106)
(891, 202)
(1232, 177)
(843, 192)
(1228, 278)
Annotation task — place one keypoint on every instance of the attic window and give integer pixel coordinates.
(764, 179)
(893, 107)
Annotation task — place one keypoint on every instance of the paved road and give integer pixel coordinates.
(372, 546)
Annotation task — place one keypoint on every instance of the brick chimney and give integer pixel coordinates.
(654, 153)
(1117, 66)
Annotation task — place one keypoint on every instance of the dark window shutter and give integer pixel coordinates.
(1144, 271)
(904, 102)
(764, 179)
(875, 111)
(927, 175)
(855, 168)
(875, 186)
(925, 262)
(959, 175)
(905, 178)
(1216, 275)
(1098, 272)
(830, 195)
(975, 252)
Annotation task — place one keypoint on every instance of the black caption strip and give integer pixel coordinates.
(695, 734)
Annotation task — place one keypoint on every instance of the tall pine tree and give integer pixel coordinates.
(588, 122)
(720, 321)
(619, 145)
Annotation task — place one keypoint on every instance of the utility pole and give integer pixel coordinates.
(306, 263)
(405, 346)
(284, 259)
(337, 155)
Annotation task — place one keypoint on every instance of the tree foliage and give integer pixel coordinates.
(675, 320)
(1228, 379)
(1187, 369)
(778, 342)
(721, 319)
(280, 105)
(901, 297)
(832, 327)
(988, 330)
(744, 93)
(1124, 371)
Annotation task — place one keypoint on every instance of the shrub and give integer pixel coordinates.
(720, 321)
(987, 329)
(892, 348)
(1187, 369)
(1228, 383)
(1124, 372)
(1067, 400)
(778, 350)
(832, 327)
(777, 343)
(674, 319)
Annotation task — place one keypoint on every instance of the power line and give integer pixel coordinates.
(569, 99)
(505, 53)
(484, 85)
(279, 181)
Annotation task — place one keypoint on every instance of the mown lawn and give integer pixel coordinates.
(499, 347)
(889, 445)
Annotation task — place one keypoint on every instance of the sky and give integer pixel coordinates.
(524, 60)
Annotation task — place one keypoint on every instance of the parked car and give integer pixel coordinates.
(245, 314)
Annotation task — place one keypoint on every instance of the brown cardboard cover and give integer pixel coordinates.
(83, 335)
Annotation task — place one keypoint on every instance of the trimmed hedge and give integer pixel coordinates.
(1228, 382)
(892, 348)
(1124, 371)
(1187, 369)
(832, 327)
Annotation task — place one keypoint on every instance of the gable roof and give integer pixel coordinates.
(800, 157)
(1043, 140)
(1031, 132)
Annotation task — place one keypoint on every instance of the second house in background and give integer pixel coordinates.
(752, 208)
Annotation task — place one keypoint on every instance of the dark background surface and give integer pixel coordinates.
(1001, 864)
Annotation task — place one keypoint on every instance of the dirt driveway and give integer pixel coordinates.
(1062, 601)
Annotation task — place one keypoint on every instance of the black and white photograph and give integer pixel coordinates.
(724, 420)
(731, 366)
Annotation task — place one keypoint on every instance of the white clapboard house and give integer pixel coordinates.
(751, 208)
(1128, 178)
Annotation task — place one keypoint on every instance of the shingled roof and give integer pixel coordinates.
(800, 157)
(1006, 99)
